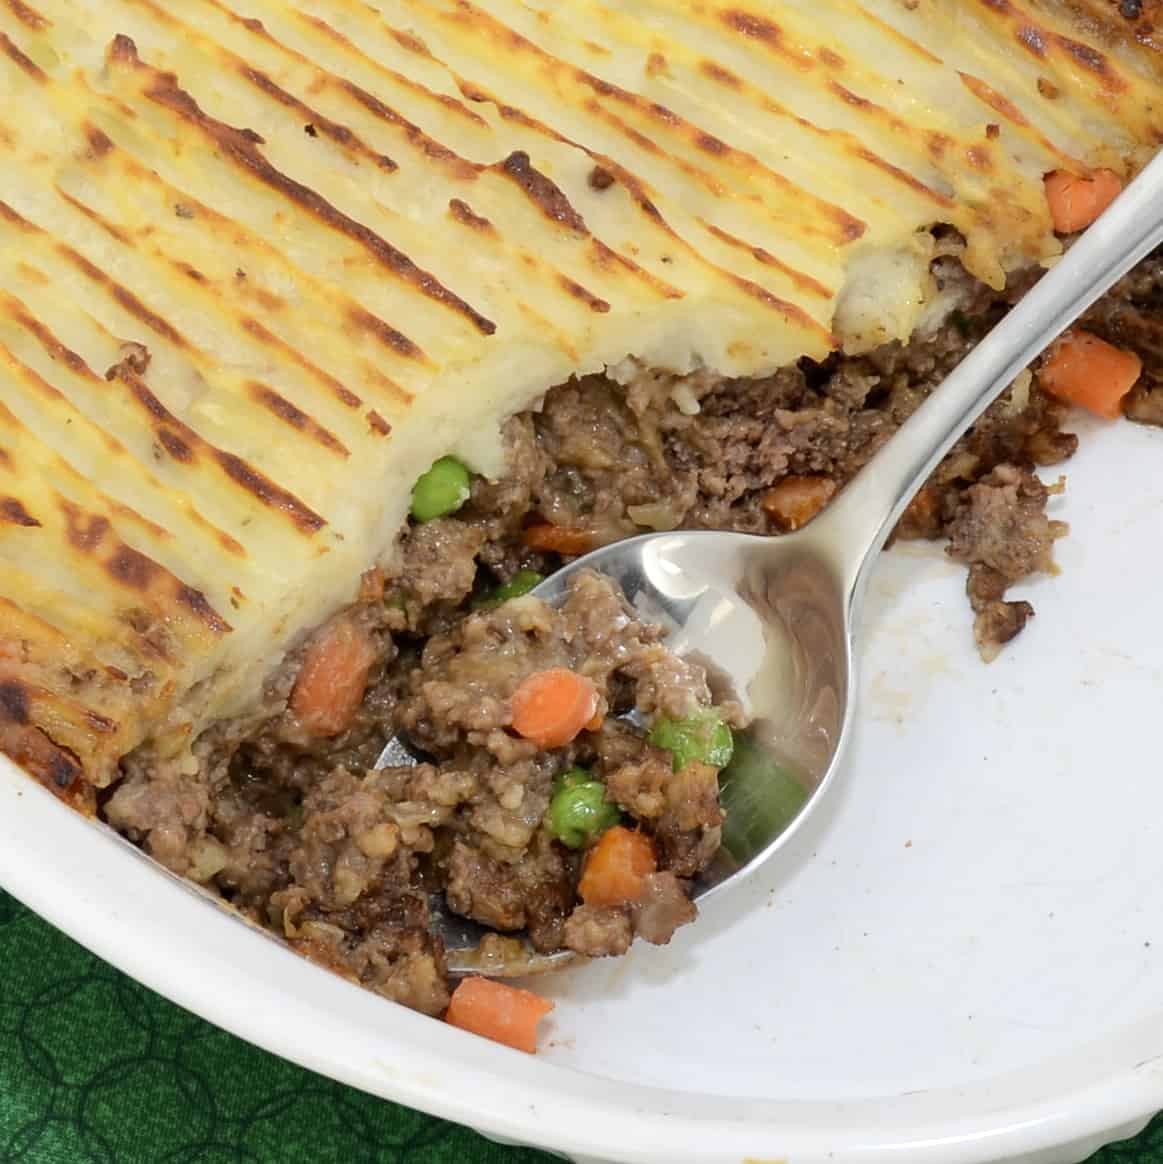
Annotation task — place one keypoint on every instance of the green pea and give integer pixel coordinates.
(704, 737)
(571, 778)
(442, 490)
(579, 809)
(521, 583)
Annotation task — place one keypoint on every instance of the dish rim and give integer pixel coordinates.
(116, 902)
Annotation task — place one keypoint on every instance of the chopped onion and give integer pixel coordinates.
(207, 859)
(684, 398)
(1020, 392)
(659, 515)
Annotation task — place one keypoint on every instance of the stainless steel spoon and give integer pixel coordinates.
(776, 617)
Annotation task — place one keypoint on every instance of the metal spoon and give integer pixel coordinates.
(776, 617)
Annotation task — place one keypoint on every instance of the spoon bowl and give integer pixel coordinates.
(766, 619)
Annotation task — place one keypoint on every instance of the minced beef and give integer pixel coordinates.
(662, 908)
(1001, 530)
(338, 856)
(599, 931)
(304, 835)
(502, 871)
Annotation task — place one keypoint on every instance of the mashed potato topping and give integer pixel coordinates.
(263, 264)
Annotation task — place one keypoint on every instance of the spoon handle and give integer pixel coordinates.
(859, 521)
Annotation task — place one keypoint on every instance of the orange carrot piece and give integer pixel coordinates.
(558, 539)
(333, 678)
(1075, 202)
(1085, 370)
(796, 500)
(505, 1014)
(616, 867)
(551, 707)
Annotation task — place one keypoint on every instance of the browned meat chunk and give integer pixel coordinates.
(1002, 531)
(997, 623)
(689, 830)
(599, 931)
(1145, 404)
(484, 890)
(404, 964)
(346, 842)
(167, 814)
(1002, 524)
(437, 569)
(639, 785)
(549, 893)
(534, 892)
(663, 907)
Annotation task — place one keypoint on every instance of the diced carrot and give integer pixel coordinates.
(371, 585)
(1085, 370)
(551, 707)
(505, 1014)
(1075, 202)
(558, 539)
(796, 500)
(922, 516)
(333, 678)
(616, 867)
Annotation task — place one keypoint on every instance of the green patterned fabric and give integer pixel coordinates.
(95, 1068)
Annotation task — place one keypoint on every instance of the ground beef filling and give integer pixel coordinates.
(296, 827)
(340, 858)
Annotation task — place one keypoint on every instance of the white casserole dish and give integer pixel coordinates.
(960, 960)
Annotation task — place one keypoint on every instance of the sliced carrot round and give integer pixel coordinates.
(616, 867)
(494, 1010)
(1076, 201)
(551, 707)
(1085, 370)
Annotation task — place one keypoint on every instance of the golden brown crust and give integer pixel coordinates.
(260, 266)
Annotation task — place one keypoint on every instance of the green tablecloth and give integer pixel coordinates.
(94, 1067)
